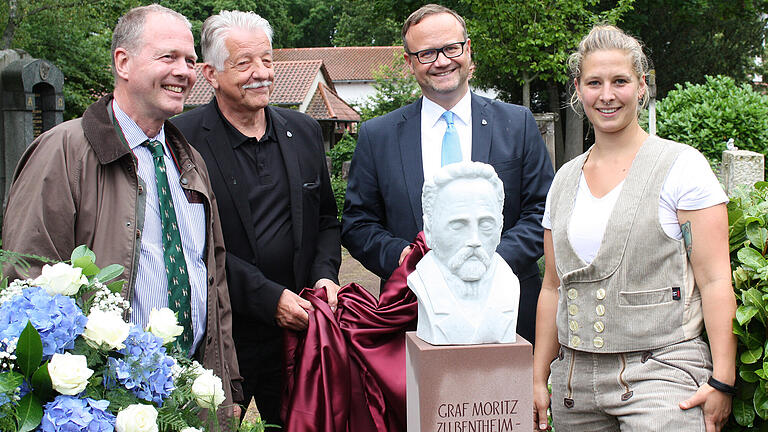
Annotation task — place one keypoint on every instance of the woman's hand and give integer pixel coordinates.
(715, 404)
(540, 405)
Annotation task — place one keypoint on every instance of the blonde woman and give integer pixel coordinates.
(637, 267)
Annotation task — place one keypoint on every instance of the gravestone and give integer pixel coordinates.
(32, 102)
(741, 167)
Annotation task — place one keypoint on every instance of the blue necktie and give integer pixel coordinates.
(451, 152)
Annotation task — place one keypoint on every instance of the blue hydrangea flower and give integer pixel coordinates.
(145, 368)
(72, 414)
(57, 318)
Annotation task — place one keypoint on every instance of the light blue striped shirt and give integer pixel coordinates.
(151, 289)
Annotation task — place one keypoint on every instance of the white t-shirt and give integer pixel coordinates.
(690, 185)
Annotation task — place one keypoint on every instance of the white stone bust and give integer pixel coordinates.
(467, 293)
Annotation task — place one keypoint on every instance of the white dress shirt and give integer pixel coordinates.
(151, 289)
(433, 128)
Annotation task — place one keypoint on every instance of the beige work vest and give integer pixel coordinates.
(639, 292)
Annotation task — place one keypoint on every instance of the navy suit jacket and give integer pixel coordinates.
(382, 210)
(313, 209)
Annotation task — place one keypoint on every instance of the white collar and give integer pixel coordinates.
(462, 111)
(134, 135)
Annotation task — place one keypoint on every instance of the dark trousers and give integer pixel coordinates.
(260, 356)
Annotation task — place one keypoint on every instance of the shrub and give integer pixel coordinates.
(706, 115)
(339, 186)
(341, 152)
(748, 220)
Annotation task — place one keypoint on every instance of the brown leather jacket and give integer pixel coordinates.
(77, 184)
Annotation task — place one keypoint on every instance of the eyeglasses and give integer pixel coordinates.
(430, 55)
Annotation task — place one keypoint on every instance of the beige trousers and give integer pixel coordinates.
(629, 392)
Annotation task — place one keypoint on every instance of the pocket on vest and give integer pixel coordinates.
(643, 298)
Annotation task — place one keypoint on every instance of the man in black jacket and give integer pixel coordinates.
(268, 171)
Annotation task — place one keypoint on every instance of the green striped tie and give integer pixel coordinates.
(173, 254)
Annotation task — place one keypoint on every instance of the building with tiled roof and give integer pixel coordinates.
(301, 85)
(350, 68)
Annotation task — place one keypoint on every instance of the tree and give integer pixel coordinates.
(515, 42)
(376, 22)
(73, 35)
(689, 39)
(395, 87)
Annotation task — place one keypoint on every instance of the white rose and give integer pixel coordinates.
(190, 429)
(163, 324)
(61, 278)
(137, 418)
(69, 373)
(208, 390)
(106, 328)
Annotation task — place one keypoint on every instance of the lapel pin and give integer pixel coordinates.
(483, 122)
(289, 134)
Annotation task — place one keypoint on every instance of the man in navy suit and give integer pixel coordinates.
(278, 214)
(395, 152)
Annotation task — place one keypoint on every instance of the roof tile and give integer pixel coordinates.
(345, 63)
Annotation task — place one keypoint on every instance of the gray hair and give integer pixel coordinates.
(458, 171)
(425, 11)
(130, 28)
(606, 37)
(216, 29)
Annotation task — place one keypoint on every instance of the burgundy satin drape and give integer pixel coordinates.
(346, 373)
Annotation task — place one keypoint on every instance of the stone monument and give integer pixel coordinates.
(466, 369)
(32, 102)
(467, 293)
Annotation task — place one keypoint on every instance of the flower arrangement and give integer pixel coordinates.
(69, 362)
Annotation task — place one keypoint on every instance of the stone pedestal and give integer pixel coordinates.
(469, 388)
(742, 167)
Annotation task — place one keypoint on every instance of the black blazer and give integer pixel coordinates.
(382, 210)
(313, 208)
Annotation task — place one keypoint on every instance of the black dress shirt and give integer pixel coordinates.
(259, 163)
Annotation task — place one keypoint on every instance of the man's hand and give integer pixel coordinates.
(292, 311)
(404, 254)
(331, 289)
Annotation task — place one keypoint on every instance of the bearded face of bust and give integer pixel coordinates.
(465, 227)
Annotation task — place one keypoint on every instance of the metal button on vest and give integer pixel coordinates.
(597, 342)
(184, 181)
(600, 293)
(572, 294)
(574, 326)
(599, 326)
(573, 309)
(600, 310)
(575, 341)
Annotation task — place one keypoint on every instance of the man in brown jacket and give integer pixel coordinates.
(95, 181)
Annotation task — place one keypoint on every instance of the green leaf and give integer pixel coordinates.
(752, 355)
(41, 383)
(116, 286)
(30, 413)
(743, 412)
(90, 270)
(29, 350)
(110, 272)
(744, 313)
(751, 258)
(749, 375)
(761, 374)
(9, 381)
(755, 298)
(83, 262)
(80, 252)
(757, 235)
